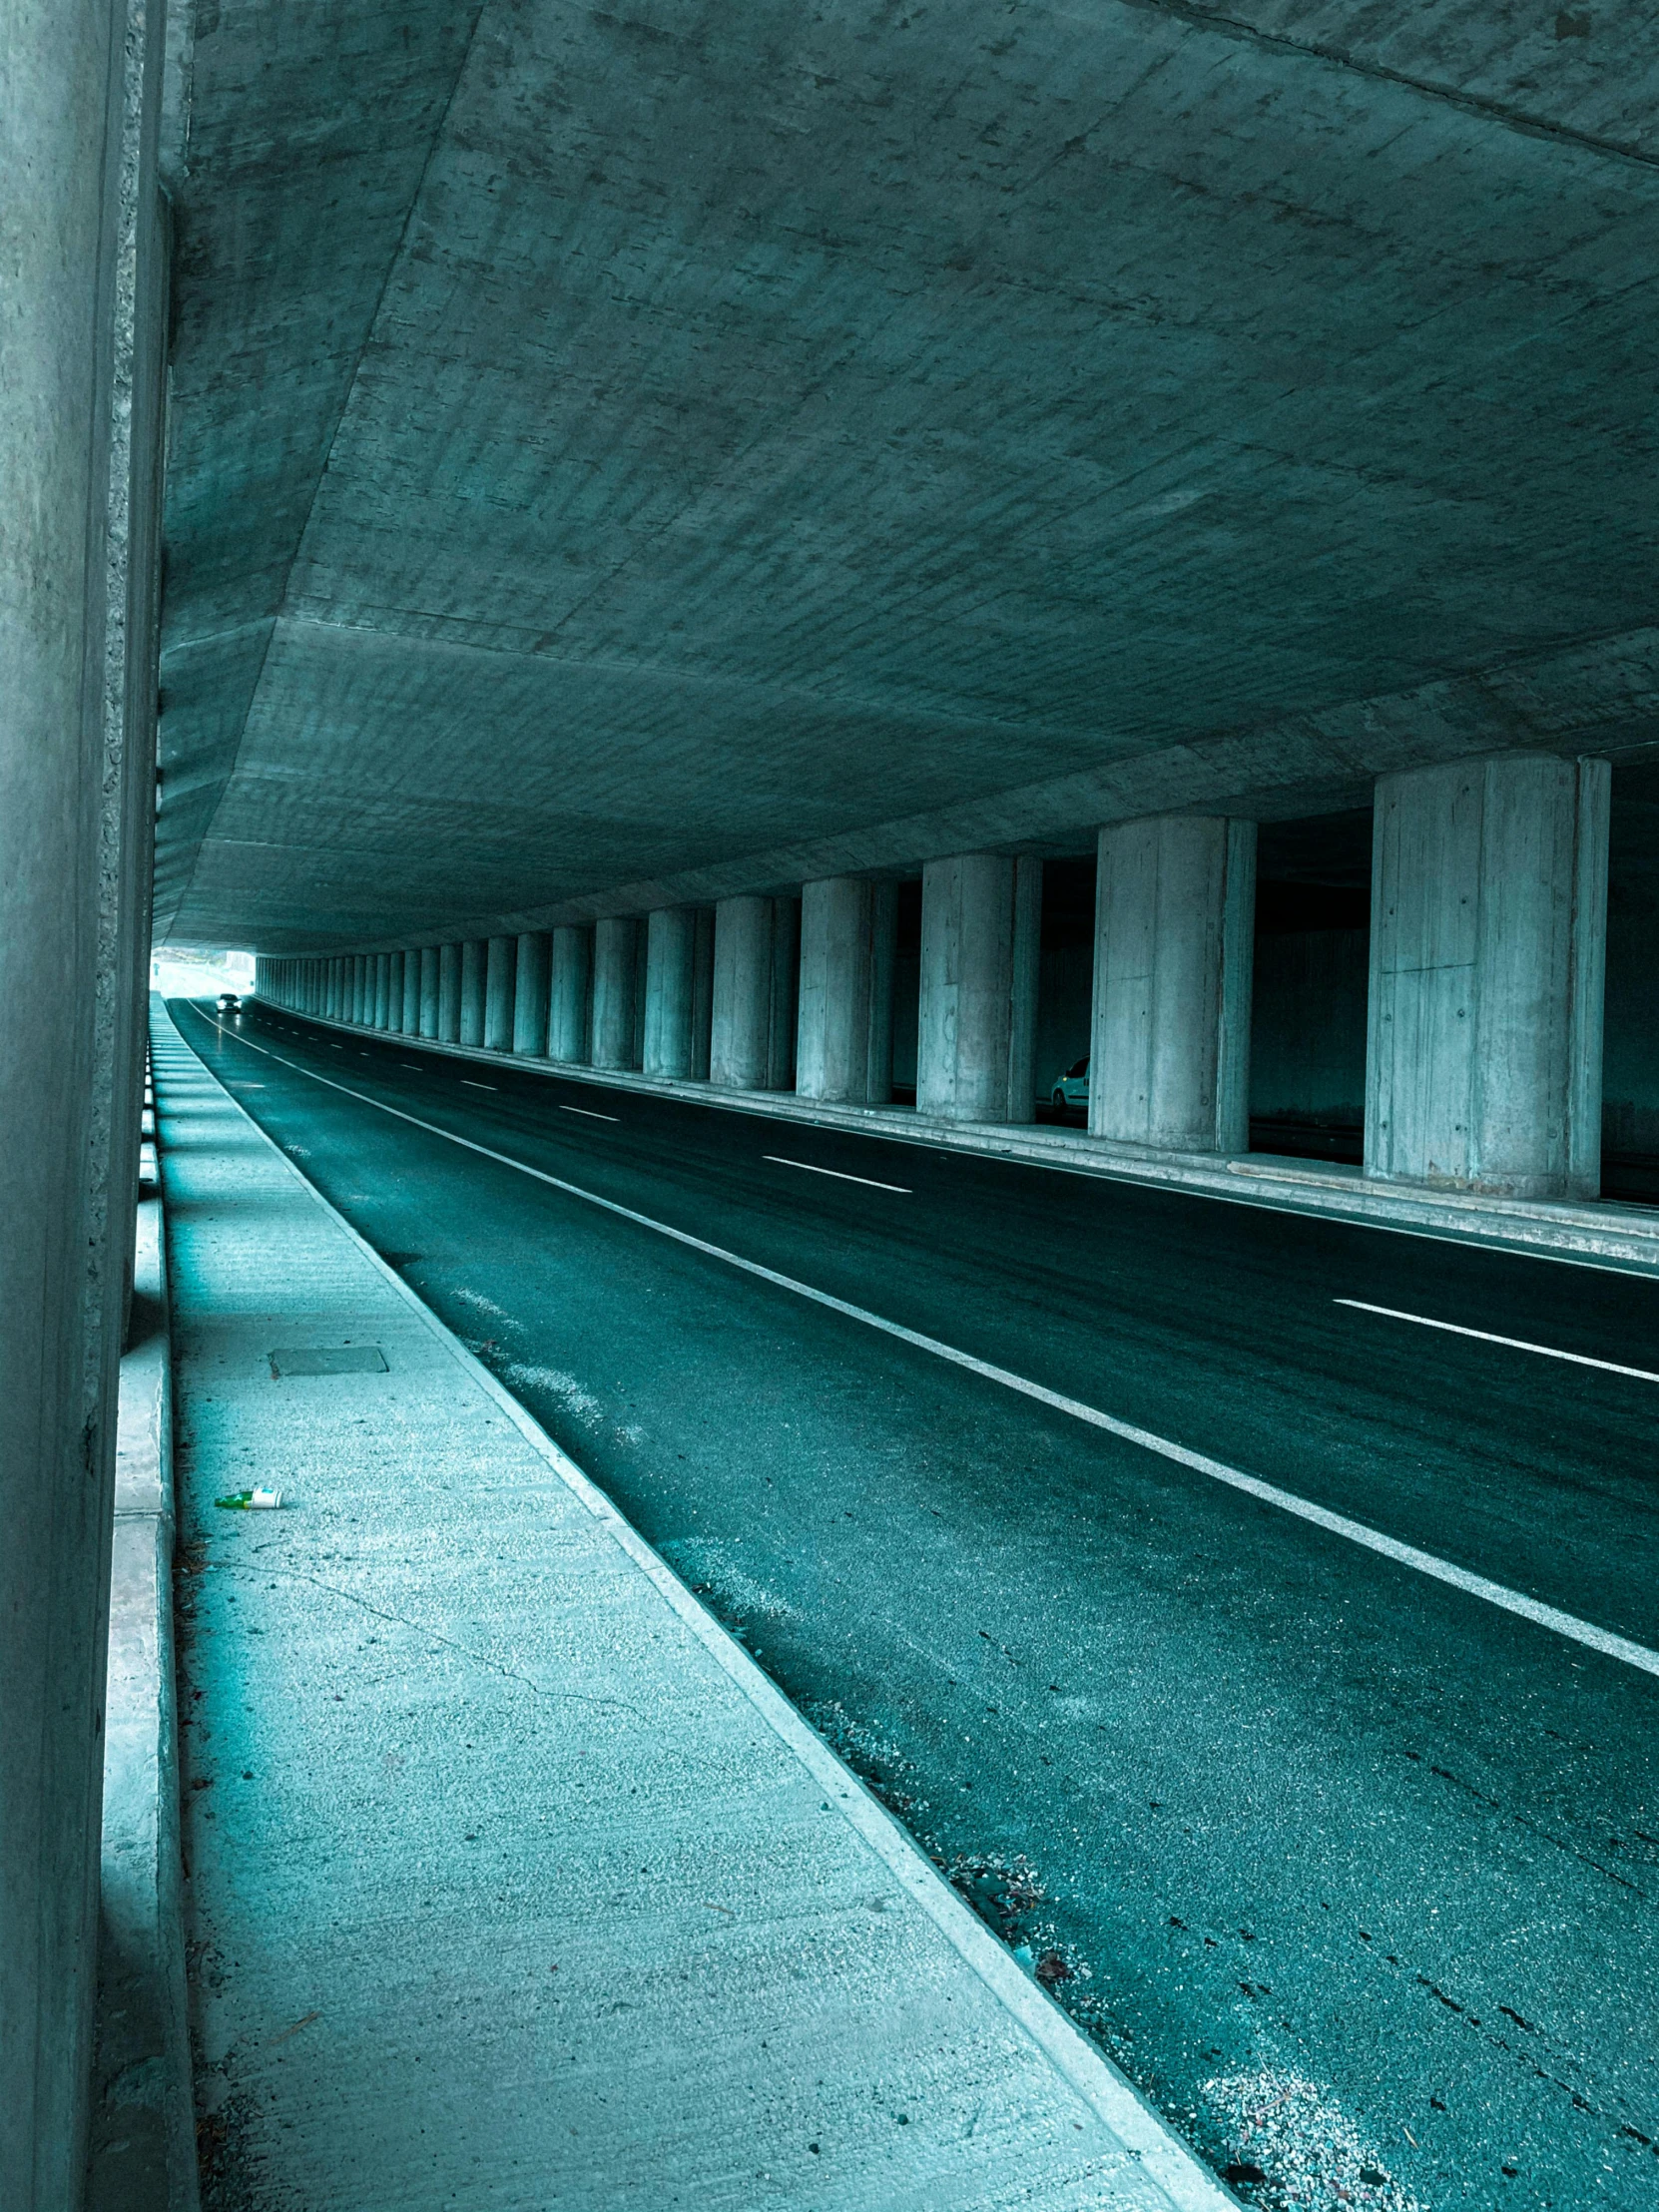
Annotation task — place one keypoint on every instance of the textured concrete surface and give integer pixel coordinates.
(1352, 1868)
(657, 453)
(143, 2151)
(512, 1880)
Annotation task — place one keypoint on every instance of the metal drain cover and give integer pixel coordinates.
(326, 1360)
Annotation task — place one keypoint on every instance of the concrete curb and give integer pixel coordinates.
(1624, 1238)
(141, 2155)
(1185, 2183)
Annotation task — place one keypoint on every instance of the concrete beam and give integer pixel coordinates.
(1175, 919)
(501, 958)
(981, 921)
(1488, 950)
(84, 292)
(615, 973)
(570, 993)
(757, 973)
(843, 1048)
(530, 994)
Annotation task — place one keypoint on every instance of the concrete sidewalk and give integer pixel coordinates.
(513, 1881)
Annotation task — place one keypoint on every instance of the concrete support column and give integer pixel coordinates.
(360, 988)
(85, 286)
(844, 1049)
(380, 968)
(1488, 956)
(1175, 922)
(398, 962)
(569, 992)
(449, 994)
(671, 947)
(428, 1008)
(615, 961)
(408, 1020)
(756, 978)
(981, 919)
(501, 961)
(474, 989)
(530, 991)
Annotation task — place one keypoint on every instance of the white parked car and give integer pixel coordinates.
(1072, 1088)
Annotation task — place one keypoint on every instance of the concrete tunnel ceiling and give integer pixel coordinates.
(649, 453)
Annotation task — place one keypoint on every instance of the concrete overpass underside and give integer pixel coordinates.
(625, 457)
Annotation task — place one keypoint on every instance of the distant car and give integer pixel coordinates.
(1072, 1088)
(228, 1003)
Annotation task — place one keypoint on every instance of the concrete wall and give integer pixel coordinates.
(82, 298)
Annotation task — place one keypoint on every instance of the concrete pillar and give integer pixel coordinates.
(703, 991)
(389, 990)
(449, 994)
(428, 1010)
(671, 944)
(409, 1015)
(843, 1048)
(530, 991)
(981, 921)
(756, 974)
(337, 1006)
(1488, 959)
(569, 992)
(1175, 925)
(501, 960)
(84, 290)
(615, 963)
(354, 1011)
(474, 989)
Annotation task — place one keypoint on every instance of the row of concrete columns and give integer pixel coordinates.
(1488, 927)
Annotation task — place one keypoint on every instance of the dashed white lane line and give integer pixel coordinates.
(806, 1167)
(415, 1064)
(1485, 1337)
(472, 1086)
(1427, 1563)
(586, 1112)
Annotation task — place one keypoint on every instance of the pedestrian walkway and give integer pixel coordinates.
(513, 1883)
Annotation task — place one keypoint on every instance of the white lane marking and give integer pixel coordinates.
(472, 1086)
(588, 1111)
(869, 1182)
(415, 1064)
(331, 1048)
(1515, 1344)
(1337, 1524)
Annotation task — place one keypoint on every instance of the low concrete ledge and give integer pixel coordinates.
(142, 2155)
(1603, 1234)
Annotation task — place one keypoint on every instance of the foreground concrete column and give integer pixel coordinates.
(1175, 925)
(615, 961)
(981, 919)
(384, 989)
(670, 962)
(83, 288)
(409, 1012)
(844, 1049)
(474, 989)
(449, 994)
(1488, 958)
(360, 988)
(530, 989)
(501, 960)
(569, 992)
(756, 979)
(428, 1009)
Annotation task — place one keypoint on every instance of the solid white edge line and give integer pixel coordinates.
(868, 1181)
(1338, 1524)
(1485, 1335)
(1159, 2153)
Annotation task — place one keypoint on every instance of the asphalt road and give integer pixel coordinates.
(1352, 1870)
